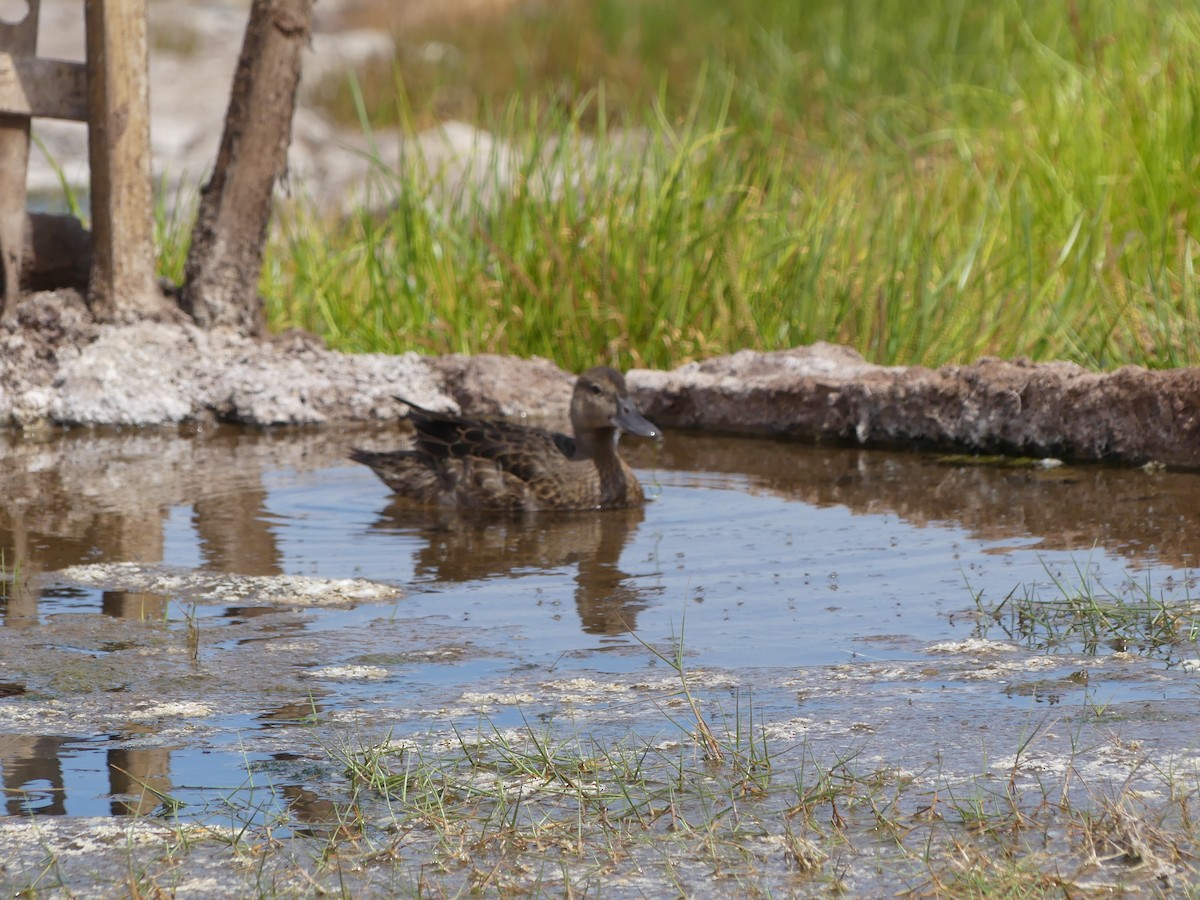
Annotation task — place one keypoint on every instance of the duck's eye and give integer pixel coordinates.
(595, 389)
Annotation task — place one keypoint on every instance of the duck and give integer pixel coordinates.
(486, 464)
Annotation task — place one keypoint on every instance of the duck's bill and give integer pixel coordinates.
(630, 421)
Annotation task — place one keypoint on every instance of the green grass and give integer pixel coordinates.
(927, 184)
(1082, 615)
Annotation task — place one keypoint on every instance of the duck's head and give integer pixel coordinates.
(601, 402)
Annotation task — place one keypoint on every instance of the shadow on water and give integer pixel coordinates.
(781, 555)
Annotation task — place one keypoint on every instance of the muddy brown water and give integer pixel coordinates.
(776, 564)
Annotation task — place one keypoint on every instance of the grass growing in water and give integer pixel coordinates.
(584, 793)
(1088, 617)
(925, 184)
(548, 809)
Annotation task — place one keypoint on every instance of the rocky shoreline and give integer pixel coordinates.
(59, 368)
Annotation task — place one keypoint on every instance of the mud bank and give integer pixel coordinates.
(59, 368)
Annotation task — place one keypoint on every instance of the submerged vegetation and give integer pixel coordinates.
(924, 183)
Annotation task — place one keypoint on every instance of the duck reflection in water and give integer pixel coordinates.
(459, 547)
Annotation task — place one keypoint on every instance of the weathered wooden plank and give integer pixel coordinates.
(122, 280)
(19, 39)
(52, 88)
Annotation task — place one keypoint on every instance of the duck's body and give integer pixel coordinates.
(471, 463)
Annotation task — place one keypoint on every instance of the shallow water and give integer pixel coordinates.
(759, 555)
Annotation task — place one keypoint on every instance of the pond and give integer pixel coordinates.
(196, 619)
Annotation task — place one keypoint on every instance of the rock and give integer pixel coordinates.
(823, 392)
(58, 367)
(126, 377)
(185, 584)
(489, 385)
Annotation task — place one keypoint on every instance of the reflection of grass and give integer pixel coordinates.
(1088, 617)
(924, 182)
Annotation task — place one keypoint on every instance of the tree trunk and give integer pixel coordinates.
(221, 275)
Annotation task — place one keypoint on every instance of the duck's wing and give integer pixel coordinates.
(528, 453)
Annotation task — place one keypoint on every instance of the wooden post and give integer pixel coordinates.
(20, 40)
(122, 285)
(223, 265)
(58, 250)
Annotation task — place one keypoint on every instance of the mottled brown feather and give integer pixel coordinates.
(486, 464)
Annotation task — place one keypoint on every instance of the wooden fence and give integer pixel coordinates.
(110, 93)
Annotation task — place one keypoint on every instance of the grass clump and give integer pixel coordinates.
(1091, 618)
(672, 181)
(533, 807)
